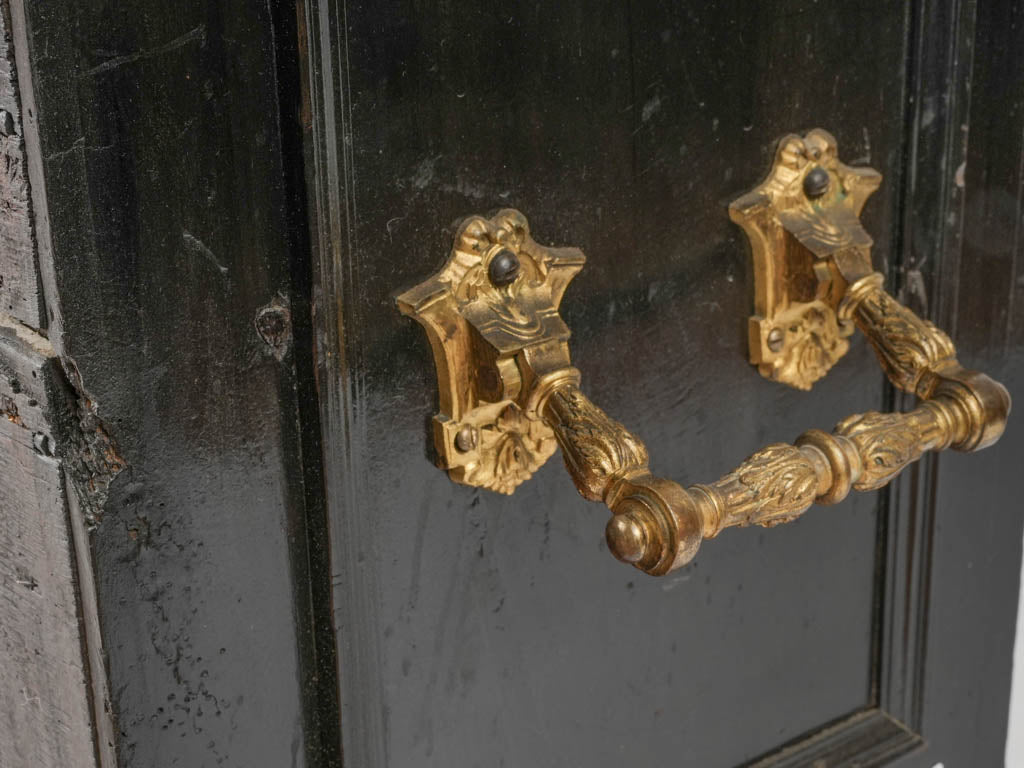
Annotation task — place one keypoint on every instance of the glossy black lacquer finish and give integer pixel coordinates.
(180, 267)
(481, 630)
(972, 267)
(476, 629)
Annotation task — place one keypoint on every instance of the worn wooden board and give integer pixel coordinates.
(20, 291)
(171, 247)
(45, 703)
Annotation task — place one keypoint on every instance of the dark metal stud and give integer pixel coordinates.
(504, 268)
(816, 182)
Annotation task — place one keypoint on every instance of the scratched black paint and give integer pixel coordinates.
(497, 630)
(474, 629)
(179, 246)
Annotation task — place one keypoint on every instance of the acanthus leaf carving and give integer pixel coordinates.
(773, 486)
(596, 447)
(907, 346)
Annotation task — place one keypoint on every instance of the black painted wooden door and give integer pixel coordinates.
(480, 630)
(224, 540)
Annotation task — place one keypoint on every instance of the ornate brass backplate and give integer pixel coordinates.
(803, 222)
(497, 294)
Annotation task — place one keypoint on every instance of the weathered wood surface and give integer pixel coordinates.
(170, 232)
(45, 717)
(20, 292)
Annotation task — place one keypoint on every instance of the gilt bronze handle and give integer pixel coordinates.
(657, 526)
(961, 409)
(509, 394)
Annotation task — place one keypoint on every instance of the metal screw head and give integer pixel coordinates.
(776, 337)
(465, 439)
(504, 268)
(816, 182)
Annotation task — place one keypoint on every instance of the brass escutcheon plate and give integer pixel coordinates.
(497, 295)
(808, 244)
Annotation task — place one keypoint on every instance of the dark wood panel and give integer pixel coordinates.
(476, 628)
(172, 224)
(926, 240)
(976, 548)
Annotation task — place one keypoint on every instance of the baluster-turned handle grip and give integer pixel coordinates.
(660, 531)
(658, 526)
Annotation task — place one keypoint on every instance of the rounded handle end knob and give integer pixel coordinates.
(627, 538)
(655, 525)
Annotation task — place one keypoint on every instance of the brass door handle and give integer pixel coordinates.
(962, 409)
(509, 393)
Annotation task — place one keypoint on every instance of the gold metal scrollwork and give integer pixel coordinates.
(509, 395)
(805, 213)
(487, 435)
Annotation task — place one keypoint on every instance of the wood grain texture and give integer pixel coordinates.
(45, 708)
(174, 247)
(20, 291)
